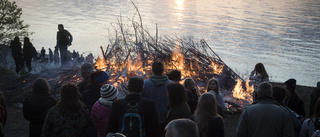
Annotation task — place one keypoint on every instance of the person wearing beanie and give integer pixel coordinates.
(315, 94)
(148, 108)
(91, 94)
(86, 69)
(100, 111)
(293, 101)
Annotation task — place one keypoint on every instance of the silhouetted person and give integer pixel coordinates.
(293, 101)
(257, 76)
(17, 53)
(56, 56)
(265, 117)
(50, 55)
(36, 106)
(175, 75)
(28, 52)
(64, 39)
(43, 54)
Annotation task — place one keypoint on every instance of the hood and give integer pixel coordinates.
(159, 80)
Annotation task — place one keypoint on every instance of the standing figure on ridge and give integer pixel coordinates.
(28, 52)
(56, 56)
(50, 55)
(257, 76)
(17, 53)
(64, 39)
(43, 54)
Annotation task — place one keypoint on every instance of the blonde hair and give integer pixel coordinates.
(206, 110)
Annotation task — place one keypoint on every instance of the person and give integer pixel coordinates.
(155, 88)
(190, 86)
(181, 128)
(257, 76)
(148, 108)
(86, 69)
(64, 39)
(293, 101)
(279, 94)
(206, 116)
(36, 106)
(177, 102)
(100, 111)
(214, 88)
(68, 117)
(91, 94)
(175, 76)
(56, 56)
(312, 124)
(3, 112)
(28, 50)
(315, 94)
(17, 53)
(74, 55)
(43, 54)
(265, 117)
(50, 55)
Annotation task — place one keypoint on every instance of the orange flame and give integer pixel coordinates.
(240, 93)
(217, 68)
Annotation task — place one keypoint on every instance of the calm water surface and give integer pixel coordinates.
(282, 34)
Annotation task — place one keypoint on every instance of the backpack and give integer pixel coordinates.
(132, 123)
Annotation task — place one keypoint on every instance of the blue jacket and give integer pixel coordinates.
(155, 88)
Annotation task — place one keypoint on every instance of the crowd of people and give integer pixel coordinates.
(61, 55)
(155, 107)
(161, 106)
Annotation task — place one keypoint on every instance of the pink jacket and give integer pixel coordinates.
(100, 117)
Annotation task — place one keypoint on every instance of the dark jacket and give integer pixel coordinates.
(35, 109)
(83, 84)
(265, 118)
(192, 99)
(215, 127)
(28, 50)
(16, 49)
(90, 95)
(296, 105)
(149, 112)
(67, 35)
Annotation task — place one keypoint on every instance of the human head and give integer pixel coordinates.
(213, 84)
(60, 27)
(16, 39)
(99, 77)
(279, 94)
(157, 67)
(189, 83)
(26, 40)
(264, 89)
(109, 92)
(181, 128)
(86, 69)
(70, 98)
(176, 94)
(175, 75)
(207, 105)
(290, 84)
(40, 85)
(135, 84)
(260, 69)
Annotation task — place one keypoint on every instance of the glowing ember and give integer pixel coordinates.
(217, 68)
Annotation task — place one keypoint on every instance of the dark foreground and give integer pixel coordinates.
(17, 125)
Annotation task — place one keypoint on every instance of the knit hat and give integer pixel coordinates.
(87, 68)
(108, 92)
(102, 77)
(291, 84)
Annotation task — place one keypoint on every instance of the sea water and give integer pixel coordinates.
(284, 35)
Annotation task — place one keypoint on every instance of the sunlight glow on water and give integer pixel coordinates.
(283, 35)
